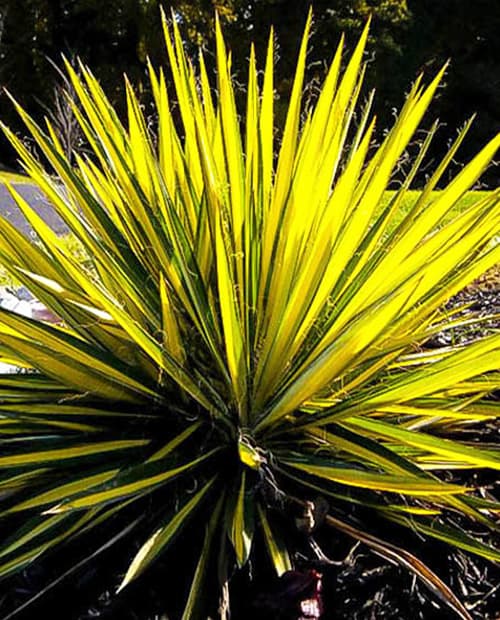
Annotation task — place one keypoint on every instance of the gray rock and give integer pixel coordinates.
(23, 294)
(14, 304)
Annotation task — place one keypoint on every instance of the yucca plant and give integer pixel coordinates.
(248, 317)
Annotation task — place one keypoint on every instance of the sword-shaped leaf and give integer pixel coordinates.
(163, 536)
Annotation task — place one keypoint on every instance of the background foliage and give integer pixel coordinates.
(406, 37)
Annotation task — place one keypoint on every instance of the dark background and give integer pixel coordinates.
(407, 37)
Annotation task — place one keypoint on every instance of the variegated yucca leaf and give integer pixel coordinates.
(251, 314)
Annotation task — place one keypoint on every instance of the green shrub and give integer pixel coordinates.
(258, 324)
